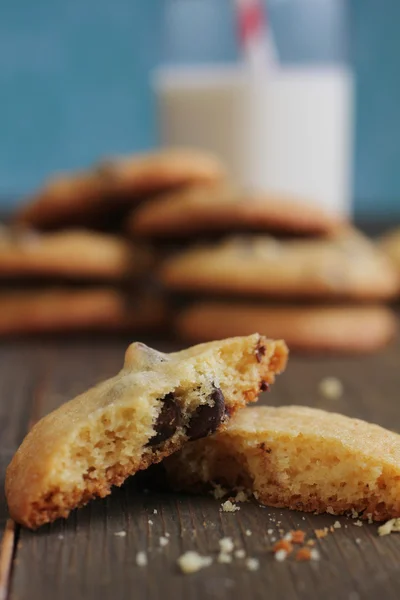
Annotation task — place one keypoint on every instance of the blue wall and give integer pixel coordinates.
(73, 84)
(74, 78)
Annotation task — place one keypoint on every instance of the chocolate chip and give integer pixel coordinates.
(260, 352)
(264, 386)
(167, 422)
(207, 418)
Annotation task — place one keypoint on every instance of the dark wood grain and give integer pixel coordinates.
(83, 558)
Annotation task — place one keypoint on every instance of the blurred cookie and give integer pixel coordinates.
(390, 244)
(65, 310)
(300, 458)
(91, 196)
(347, 266)
(219, 208)
(72, 254)
(310, 328)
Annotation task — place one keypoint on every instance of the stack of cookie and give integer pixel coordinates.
(65, 263)
(319, 283)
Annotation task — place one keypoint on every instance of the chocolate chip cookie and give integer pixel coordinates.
(339, 328)
(299, 458)
(65, 310)
(69, 254)
(345, 266)
(149, 410)
(92, 196)
(220, 208)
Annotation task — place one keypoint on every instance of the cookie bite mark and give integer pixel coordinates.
(142, 415)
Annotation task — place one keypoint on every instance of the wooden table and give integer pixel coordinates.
(83, 558)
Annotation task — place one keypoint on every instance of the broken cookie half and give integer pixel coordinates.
(300, 458)
(148, 411)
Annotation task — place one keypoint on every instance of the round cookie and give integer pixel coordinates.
(150, 409)
(345, 266)
(308, 328)
(91, 196)
(72, 254)
(75, 310)
(218, 208)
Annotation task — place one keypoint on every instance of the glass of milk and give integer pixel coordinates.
(288, 131)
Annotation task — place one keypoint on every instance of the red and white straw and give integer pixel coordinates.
(255, 35)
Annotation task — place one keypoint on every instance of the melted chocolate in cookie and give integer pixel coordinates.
(167, 422)
(207, 418)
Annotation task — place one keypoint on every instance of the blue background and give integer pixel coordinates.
(74, 78)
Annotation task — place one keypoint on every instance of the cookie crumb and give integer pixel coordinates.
(370, 519)
(336, 525)
(150, 522)
(358, 523)
(120, 533)
(164, 541)
(60, 537)
(191, 562)
(311, 543)
(321, 533)
(358, 541)
(283, 545)
(390, 526)
(298, 536)
(331, 388)
(252, 564)
(242, 496)
(167, 535)
(240, 553)
(224, 558)
(281, 555)
(226, 544)
(354, 514)
(228, 506)
(304, 554)
(330, 510)
(218, 492)
(141, 559)
(248, 532)
(155, 511)
(314, 553)
(270, 531)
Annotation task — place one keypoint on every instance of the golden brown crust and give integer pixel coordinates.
(65, 310)
(308, 328)
(300, 458)
(80, 197)
(74, 254)
(96, 440)
(344, 266)
(212, 209)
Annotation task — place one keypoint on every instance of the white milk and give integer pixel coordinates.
(289, 133)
